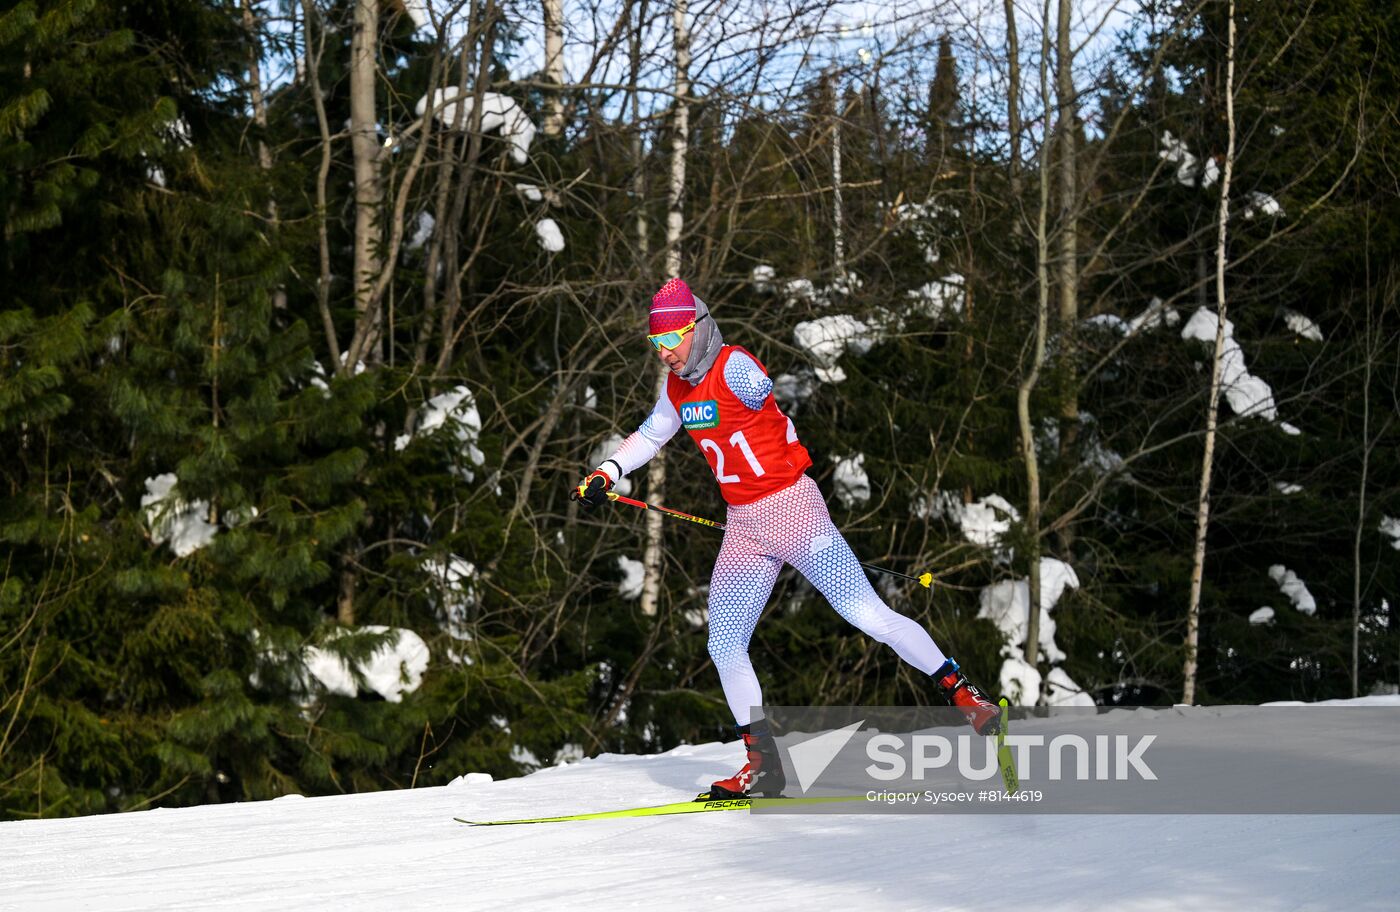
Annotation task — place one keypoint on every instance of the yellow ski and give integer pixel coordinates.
(1008, 767)
(663, 810)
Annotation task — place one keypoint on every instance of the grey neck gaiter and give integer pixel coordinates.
(705, 347)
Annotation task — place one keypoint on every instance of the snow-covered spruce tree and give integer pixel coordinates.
(86, 122)
(448, 546)
(164, 654)
(1279, 498)
(179, 482)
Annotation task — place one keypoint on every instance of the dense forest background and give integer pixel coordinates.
(314, 312)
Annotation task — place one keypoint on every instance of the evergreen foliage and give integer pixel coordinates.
(177, 260)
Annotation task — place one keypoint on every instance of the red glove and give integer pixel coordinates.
(594, 490)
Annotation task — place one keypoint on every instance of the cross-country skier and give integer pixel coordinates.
(723, 397)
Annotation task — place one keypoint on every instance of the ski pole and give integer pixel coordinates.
(925, 579)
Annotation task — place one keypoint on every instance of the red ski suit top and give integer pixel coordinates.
(753, 453)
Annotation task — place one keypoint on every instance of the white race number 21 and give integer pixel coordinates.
(737, 440)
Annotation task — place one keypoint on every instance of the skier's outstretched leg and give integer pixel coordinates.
(820, 552)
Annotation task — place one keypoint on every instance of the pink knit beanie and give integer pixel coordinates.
(671, 308)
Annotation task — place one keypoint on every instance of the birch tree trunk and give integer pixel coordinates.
(1069, 243)
(838, 241)
(255, 92)
(1193, 608)
(369, 189)
(369, 198)
(680, 137)
(639, 174)
(1361, 509)
(1023, 392)
(259, 103)
(323, 278)
(675, 222)
(1013, 104)
(554, 66)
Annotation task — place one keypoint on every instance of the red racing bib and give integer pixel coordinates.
(752, 453)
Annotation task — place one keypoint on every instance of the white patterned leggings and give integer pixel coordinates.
(793, 526)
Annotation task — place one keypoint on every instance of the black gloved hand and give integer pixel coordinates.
(594, 490)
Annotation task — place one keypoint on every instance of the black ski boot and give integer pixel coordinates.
(981, 713)
(762, 776)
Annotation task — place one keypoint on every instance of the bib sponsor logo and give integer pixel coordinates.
(697, 416)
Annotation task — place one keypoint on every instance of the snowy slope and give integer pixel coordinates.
(401, 850)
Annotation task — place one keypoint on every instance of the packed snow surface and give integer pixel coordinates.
(402, 850)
